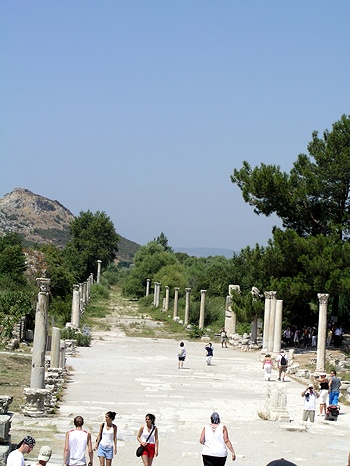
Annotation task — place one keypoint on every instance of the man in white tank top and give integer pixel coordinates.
(77, 440)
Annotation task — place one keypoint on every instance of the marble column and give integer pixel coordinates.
(154, 293)
(187, 306)
(85, 293)
(75, 318)
(272, 320)
(254, 329)
(266, 319)
(99, 263)
(166, 305)
(62, 361)
(147, 286)
(158, 294)
(37, 379)
(278, 326)
(176, 300)
(55, 348)
(322, 332)
(202, 309)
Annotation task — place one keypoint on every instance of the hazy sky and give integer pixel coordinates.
(142, 109)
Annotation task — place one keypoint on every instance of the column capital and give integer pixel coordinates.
(273, 294)
(176, 288)
(188, 290)
(43, 284)
(203, 291)
(323, 297)
(166, 287)
(99, 261)
(76, 287)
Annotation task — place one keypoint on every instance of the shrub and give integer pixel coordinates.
(70, 333)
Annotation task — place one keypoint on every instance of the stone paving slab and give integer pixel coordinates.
(134, 376)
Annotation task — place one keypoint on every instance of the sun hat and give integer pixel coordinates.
(311, 386)
(45, 453)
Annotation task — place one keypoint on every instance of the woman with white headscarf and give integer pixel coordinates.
(215, 439)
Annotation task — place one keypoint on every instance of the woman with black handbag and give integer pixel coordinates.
(148, 438)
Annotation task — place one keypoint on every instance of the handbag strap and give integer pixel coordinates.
(151, 433)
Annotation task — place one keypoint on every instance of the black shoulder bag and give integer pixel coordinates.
(141, 448)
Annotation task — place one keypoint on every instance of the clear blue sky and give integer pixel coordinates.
(142, 109)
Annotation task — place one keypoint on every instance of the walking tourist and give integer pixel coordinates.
(215, 439)
(106, 442)
(181, 355)
(210, 352)
(267, 366)
(76, 442)
(282, 364)
(148, 438)
(16, 457)
(310, 396)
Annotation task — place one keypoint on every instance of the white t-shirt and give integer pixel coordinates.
(310, 402)
(214, 444)
(15, 458)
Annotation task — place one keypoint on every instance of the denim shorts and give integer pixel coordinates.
(105, 452)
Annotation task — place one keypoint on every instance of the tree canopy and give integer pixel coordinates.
(93, 238)
(314, 197)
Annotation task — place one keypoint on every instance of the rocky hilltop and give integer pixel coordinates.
(40, 220)
(36, 218)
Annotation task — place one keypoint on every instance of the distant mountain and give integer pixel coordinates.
(40, 220)
(205, 252)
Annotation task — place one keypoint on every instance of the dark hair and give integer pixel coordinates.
(335, 372)
(111, 414)
(182, 344)
(78, 421)
(152, 417)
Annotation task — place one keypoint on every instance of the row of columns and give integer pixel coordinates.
(156, 299)
(38, 398)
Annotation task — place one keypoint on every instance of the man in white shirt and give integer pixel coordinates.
(16, 457)
(310, 397)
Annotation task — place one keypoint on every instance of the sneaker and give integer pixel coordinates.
(279, 379)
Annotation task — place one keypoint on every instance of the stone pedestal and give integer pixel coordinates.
(36, 399)
(71, 347)
(202, 309)
(275, 408)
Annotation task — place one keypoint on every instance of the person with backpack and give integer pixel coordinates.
(181, 355)
(282, 364)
